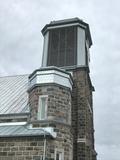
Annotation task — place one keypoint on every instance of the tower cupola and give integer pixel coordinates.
(66, 43)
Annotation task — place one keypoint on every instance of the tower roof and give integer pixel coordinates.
(69, 22)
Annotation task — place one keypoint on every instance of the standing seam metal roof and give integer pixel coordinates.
(13, 94)
(21, 131)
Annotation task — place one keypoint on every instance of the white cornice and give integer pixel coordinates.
(50, 76)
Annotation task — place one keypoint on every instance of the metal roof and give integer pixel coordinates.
(13, 94)
(21, 131)
(69, 21)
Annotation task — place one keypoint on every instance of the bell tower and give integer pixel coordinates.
(66, 45)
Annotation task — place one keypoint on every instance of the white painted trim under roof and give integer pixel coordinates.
(13, 124)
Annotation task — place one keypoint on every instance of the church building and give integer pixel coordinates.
(48, 114)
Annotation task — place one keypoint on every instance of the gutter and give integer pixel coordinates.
(54, 134)
(44, 151)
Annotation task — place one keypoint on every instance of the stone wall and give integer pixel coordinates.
(26, 148)
(59, 103)
(82, 113)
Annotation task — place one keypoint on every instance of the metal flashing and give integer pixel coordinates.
(49, 68)
(45, 129)
(50, 75)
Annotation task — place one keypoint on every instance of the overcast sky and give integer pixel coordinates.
(21, 45)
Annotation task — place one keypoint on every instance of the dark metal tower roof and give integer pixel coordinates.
(74, 21)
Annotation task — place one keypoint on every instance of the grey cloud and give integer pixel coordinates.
(108, 152)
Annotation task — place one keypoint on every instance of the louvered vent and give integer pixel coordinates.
(62, 49)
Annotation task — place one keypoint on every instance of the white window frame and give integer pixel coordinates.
(39, 116)
(61, 151)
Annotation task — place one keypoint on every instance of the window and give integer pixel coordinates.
(42, 107)
(59, 154)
